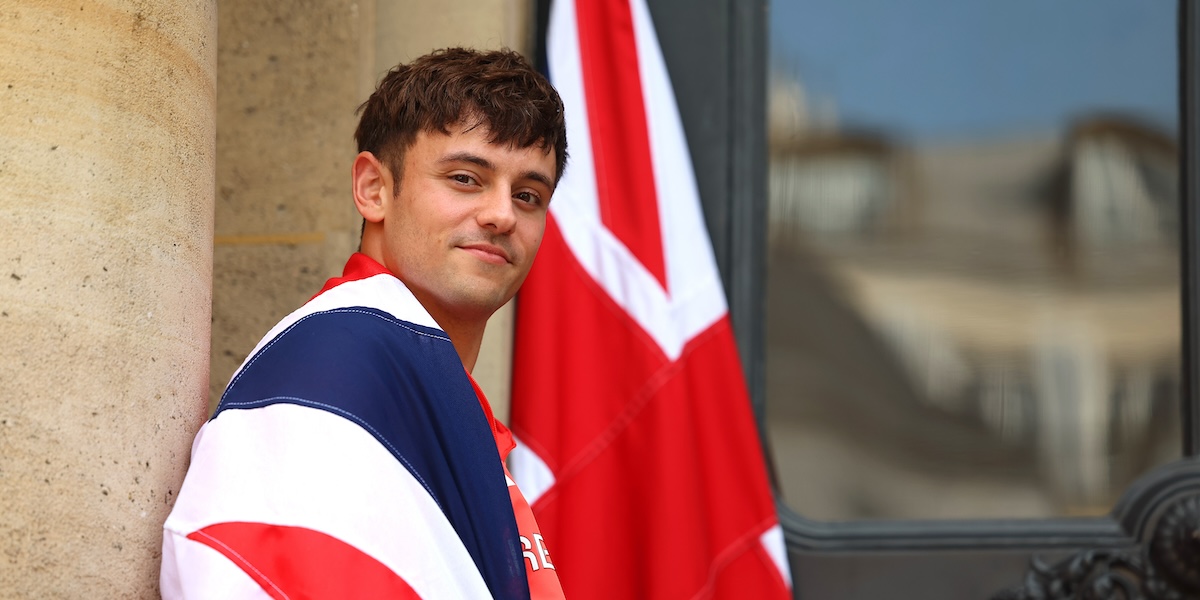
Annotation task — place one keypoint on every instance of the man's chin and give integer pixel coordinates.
(482, 302)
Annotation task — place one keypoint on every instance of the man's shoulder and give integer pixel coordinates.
(402, 383)
(363, 322)
(279, 449)
(345, 356)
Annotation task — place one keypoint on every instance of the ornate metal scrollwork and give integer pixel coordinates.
(1176, 544)
(1164, 567)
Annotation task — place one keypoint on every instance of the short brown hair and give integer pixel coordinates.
(498, 88)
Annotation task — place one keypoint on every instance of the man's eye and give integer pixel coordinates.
(463, 179)
(528, 197)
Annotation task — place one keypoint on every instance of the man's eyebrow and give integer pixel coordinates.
(468, 157)
(475, 159)
(540, 178)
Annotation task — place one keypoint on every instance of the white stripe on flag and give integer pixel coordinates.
(194, 570)
(773, 543)
(530, 472)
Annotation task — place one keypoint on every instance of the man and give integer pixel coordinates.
(352, 454)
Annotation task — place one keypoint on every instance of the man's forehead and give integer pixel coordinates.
(480, 136)
(481, 127)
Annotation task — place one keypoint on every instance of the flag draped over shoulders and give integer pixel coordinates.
(637, 447)
(350, 457)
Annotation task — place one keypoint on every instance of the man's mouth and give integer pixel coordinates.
(486, 252)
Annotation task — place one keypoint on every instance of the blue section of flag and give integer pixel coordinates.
(405, 385)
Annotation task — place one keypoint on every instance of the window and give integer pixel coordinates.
(972, 297)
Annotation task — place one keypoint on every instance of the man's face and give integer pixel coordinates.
(467, 220)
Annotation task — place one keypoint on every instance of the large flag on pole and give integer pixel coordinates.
(636, 443)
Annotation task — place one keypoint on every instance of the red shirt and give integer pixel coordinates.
(543, 579)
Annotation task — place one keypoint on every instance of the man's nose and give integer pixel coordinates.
(497, 212)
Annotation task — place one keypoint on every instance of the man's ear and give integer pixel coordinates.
(372, 186)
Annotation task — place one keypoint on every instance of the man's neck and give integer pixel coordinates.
(464, 331)
(466, 340)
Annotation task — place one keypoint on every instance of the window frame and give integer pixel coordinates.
(738, 237)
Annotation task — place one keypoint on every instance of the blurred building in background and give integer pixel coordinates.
(985, 327)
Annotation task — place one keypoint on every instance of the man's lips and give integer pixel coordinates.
(488, 253)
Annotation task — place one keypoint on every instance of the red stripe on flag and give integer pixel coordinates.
(617, 121)
(297, 563)
(660, 487)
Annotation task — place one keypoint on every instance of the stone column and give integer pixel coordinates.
(106, 192)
